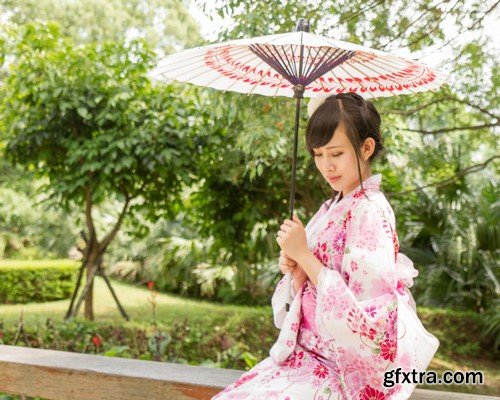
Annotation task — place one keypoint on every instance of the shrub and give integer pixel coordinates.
(36, 281)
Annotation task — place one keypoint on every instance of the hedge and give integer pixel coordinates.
(36, 281)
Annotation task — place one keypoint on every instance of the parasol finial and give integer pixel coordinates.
(302, 25)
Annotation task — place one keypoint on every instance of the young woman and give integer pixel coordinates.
(351, 331)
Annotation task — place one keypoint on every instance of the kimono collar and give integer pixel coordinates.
(372, 182)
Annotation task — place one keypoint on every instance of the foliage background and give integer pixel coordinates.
(440, 169)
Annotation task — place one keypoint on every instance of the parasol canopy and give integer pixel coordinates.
(269, 65)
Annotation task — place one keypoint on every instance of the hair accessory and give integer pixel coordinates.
(315, 102)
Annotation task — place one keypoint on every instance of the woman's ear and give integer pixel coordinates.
(367, 148)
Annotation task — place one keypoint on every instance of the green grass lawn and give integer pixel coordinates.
(135, 301)
(172, 308)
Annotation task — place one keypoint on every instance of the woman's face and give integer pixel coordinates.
(336, 161)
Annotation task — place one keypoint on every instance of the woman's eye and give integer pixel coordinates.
(333, 155)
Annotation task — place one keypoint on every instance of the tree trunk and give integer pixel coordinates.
(89, 298)
(94, 251)
(91, 271)
(91, 267)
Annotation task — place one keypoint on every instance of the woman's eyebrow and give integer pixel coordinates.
(329, 147)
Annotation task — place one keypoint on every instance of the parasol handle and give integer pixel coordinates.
(298, 90)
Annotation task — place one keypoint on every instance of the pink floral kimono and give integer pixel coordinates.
(339, 338)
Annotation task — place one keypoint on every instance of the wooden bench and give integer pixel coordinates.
(60, 375)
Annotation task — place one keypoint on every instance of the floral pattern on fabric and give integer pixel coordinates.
(341, 336)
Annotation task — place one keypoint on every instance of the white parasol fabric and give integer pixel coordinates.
(263, 65)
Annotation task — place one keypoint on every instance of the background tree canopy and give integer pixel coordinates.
(165, 24)
(441, 147)
(88, 119)
(439, 170)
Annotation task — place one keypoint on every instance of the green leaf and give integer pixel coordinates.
(82, 112)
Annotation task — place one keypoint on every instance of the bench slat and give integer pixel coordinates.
(60, 375)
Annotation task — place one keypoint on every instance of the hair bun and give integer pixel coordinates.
(315, 102)
(354, 96)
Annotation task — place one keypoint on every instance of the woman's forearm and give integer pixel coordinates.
(311, 265)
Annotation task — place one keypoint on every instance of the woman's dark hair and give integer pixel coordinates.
(360, 120)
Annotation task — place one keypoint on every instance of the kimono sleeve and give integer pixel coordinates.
(357, 308)
(374, 331)
(281, 296)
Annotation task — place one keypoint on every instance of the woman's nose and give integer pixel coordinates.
(328, 165)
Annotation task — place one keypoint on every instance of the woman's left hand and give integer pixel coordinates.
(292, 238)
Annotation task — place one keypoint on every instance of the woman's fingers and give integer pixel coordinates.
(286, 266)
(287, 262)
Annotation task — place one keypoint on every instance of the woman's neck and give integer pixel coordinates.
(364, 176)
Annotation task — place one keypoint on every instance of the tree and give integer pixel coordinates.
(165, 24)
(90, 121)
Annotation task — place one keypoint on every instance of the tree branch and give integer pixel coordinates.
(454, 38)
(446, 98)
(461, 173)
(416, 109)
(458, 128)
(405, 31)
(360, 10)
(429, 23)
(138, 192)
(88, 215)
(479, 20)
(423, 36)
(483, 110)
(111, 235)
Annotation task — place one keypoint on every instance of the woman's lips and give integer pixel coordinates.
(334, 179)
